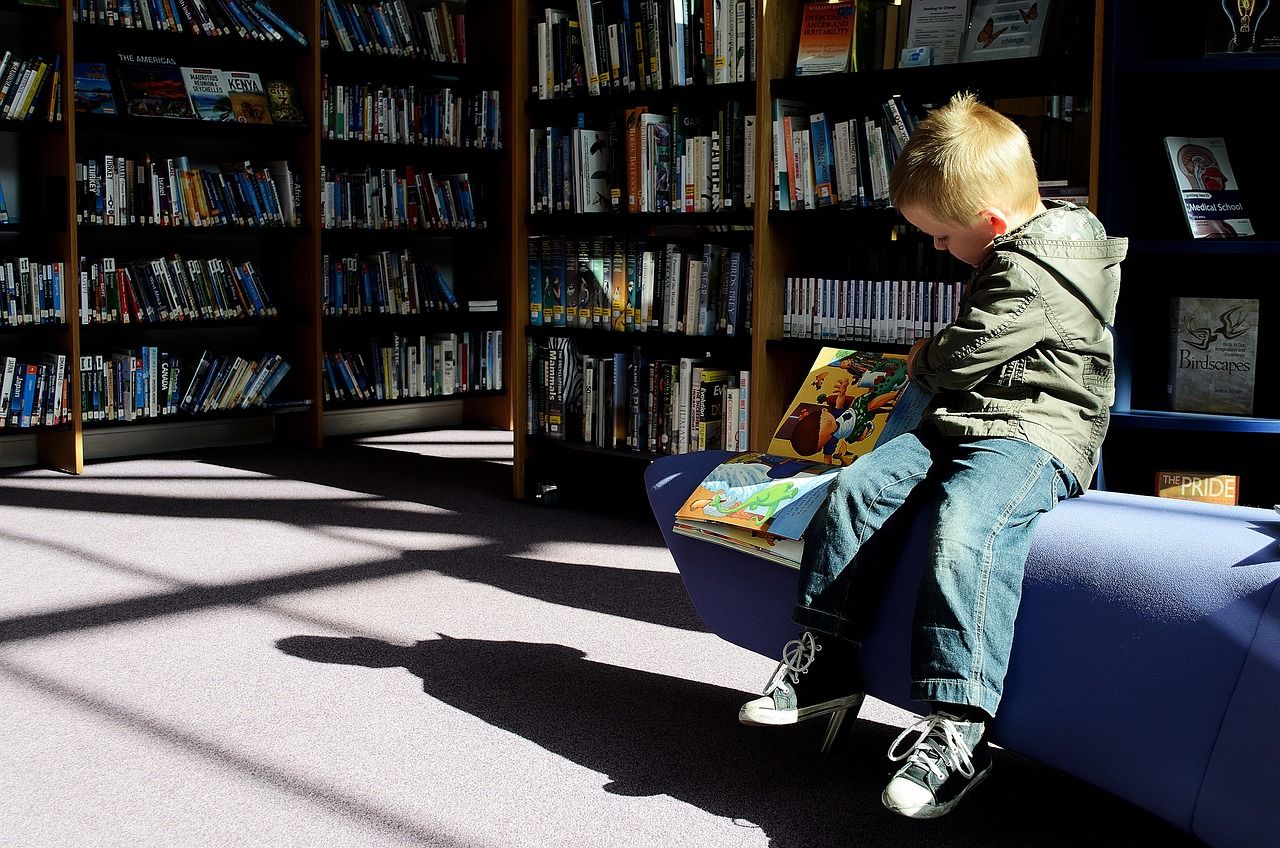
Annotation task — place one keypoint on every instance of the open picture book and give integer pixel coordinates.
(762, 503)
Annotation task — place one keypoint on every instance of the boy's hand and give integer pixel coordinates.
(911, 356)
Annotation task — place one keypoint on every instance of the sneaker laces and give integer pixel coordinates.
(797, 656)
(940, 743)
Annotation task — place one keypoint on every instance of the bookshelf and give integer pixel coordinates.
(694, 109)
(1158, 81)
(829, 241)
(38, 167)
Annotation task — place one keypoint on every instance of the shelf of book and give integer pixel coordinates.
(1204, 247)
(97, 41)
(473, 260)
(546, 443)
(1030, 77)
(711, 346)
(691, 96)
(1199, 69)
(286, 407)
(808, 346)
(381, 404)
(229, 131)
(1192, 422)
(604, 223)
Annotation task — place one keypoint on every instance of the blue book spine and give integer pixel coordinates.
(280, 23)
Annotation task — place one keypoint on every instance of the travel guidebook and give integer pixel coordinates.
(762, 502)
(152, 87)
(93, 89)
(208, 93)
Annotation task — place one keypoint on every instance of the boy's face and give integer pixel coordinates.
(968, 243)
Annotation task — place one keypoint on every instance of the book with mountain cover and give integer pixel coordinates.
(762, 503)
(153, 87)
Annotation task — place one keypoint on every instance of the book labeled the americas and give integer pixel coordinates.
(1211, 200)
(248, 97)
(152, 87)
(762, 502)
(208, 94)
(826, 36)
(1214, 354)
(93, 89)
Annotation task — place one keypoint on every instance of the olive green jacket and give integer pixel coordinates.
(1029, 355)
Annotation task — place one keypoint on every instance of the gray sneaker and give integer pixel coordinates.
(948, 758)
(800, 689)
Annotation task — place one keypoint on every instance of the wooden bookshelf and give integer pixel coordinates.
(291, 258)
(790, 243)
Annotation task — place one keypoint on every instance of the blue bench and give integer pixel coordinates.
(1146, 660)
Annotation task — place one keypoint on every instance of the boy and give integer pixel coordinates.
(1022, 382)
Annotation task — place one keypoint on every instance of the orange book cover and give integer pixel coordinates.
(826, 31)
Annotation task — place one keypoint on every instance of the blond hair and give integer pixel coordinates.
(962, 158)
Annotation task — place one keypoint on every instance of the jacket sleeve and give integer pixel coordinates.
(1002, 318)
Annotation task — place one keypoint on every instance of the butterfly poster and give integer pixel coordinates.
(1000, 29)
(938, 25)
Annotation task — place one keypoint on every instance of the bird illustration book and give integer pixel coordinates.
(1214, 354)
(762, 502)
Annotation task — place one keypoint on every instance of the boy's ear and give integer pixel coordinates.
(996, 220)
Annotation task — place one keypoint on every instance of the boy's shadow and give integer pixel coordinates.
(655, 734)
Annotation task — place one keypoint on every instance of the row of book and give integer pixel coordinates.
(146, 382)
(30, 89)
(31, 291)
(397, 199)
(641, 45)
(624, 400)
(394, 28)
(171, 192)
(687, 161)
(389, 282)
(158, 87)
(819, 162)
(881, 311)
(631, 285)
(249, 19)
(33, 391)
(422, 366)
(407, 114)
(169, 288)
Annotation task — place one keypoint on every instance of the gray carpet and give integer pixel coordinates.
(374, 646)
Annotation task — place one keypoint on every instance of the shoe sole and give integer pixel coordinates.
(780, 718)
(934, 811)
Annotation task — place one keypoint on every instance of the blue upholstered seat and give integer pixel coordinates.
(1147, 654)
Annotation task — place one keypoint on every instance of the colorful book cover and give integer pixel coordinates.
(248, 98)
(849, 402)
(282, 99)
(152, 87)
(208, 94)
(1211, 200)
(1004, 29)
(826, 33)
(93, 89)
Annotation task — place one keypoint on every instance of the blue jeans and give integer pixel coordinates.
(988, 494)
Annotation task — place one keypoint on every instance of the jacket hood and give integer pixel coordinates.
(1072, 244)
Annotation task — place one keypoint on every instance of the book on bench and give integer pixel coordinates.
(761, 503)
